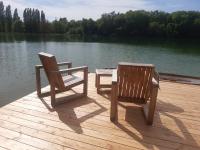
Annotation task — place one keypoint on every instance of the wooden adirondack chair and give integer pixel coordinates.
(138, 83)
(58, 82)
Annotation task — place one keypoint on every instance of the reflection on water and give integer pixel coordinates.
(18, 58)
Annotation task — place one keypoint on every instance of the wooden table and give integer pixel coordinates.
(102, 73)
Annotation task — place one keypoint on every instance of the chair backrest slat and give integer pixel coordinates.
(134, 80)
(50, 64)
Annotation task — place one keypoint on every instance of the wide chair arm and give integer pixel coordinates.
(69, 71)
(156, 76)
(155, 83)
(75, 69)
(155, 79)
(69, 64)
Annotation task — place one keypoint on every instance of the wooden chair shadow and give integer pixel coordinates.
(68, 112)
(159, 130)
(172, 114)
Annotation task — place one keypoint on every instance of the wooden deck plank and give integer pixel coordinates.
(149, 138)
(104, 121)
(59, 141)
(85, 123)
(159, 119)
(184, 114)
(10, 144)
(1, 148)
(105, 137)
(162, 108)
(36, 142)
(71, 135)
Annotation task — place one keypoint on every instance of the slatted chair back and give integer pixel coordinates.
(134, 81)
(50, 64)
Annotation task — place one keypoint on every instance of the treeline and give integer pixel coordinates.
(33, 20)
(129, 24)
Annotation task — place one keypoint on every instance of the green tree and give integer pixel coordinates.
(27, 20)
(43, 19)
(171, 30)
(159, 16)
(15, 15)
(137, 22)
(89, 26)
(32, 20)
(44, 24)
(120, 25)
(196, 27)
(58, 27)
(18, 26)
(2, 17)
(157, 29)
(8, 19)
(105, 24)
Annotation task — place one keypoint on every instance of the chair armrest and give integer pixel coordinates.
(59, 64)
(65, 63)
(156, 76)
(114, 76)
(155, 83)
(155, 79)
(38, 67)
(82, 68)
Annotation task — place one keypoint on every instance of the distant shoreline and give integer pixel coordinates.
(94, 37)
(132, 23)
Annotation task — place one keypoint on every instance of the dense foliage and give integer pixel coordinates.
(129, 24)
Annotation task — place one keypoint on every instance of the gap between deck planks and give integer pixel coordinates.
(84, 124)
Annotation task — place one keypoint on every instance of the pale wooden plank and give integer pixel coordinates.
(100, 114)
(153, 134)
(193, 131)
(98, 143)
(59, 142)
(2, 148)
(176, 123)
(161, 107)
(101, 118)
(106, 137)
(10, 144)
(83, 113)
(29, 140)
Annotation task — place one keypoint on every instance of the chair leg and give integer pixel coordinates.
(85, 85)
(85, 88)
(96, 80)
(98, 83)
(53, 96)
(114, 102)
(38, 81)
(149, 109)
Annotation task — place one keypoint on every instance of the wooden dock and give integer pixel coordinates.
(30, 123)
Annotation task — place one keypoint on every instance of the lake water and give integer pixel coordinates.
(18, 58)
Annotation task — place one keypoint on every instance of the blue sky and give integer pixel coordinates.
(78, 9)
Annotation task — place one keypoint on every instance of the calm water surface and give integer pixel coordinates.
(18, 58)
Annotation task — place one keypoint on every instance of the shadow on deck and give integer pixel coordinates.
(30, 122)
